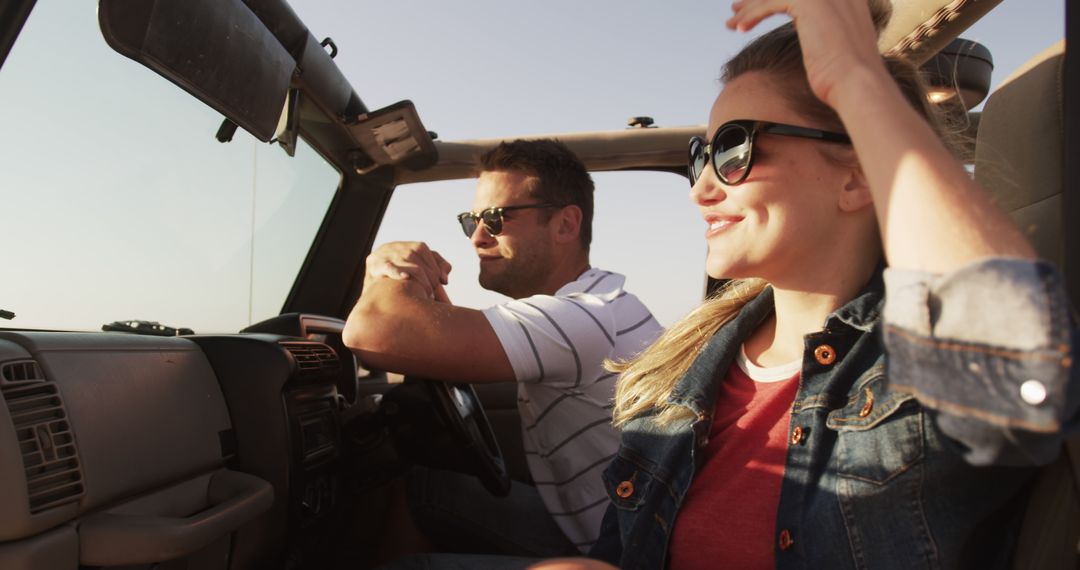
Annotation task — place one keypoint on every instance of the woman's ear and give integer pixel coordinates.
(856, 193)
(567, 226)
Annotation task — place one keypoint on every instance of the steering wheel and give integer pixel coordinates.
(460, 408)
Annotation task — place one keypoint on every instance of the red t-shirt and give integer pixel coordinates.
(729, 515)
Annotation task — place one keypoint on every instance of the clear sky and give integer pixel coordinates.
(493, 68)
(145, 216)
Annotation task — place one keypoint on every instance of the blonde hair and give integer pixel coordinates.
(646, 382)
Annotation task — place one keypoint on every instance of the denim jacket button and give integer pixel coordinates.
(785, 539)
(797, 435)
(1033, 392)
(625, 489)
(825, 354)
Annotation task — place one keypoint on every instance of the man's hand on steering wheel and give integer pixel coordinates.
(464, 440)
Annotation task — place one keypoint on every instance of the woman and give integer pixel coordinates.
(799, 419)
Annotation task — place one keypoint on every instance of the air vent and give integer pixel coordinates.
(313, 358)
(21, 371)
(53, 474)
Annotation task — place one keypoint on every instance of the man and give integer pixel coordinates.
(531, 228)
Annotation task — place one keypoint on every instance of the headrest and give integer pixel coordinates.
(1019, 150)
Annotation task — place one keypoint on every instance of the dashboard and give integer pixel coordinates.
(121, 449)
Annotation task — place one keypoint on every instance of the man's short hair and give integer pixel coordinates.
(561, 176)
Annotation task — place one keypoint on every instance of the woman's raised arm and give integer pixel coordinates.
(932, 216)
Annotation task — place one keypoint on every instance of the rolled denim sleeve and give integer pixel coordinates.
(989, 349)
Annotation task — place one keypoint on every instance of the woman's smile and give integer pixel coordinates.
(717, 223)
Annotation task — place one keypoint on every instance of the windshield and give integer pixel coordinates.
(120, 204)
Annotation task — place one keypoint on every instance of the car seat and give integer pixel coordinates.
(1019, 159)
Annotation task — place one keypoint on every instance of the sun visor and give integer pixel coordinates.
(217, 50)
(393, 136)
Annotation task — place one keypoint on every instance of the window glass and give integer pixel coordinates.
(644, 227)
(120, 204)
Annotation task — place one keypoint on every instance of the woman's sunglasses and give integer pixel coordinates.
(493, 218)
(732, 148)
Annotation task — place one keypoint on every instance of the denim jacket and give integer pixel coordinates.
(918, 428)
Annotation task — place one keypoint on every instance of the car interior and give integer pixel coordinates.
(155, 448)
(1029, 107)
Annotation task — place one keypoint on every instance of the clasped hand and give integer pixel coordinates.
(410, 260)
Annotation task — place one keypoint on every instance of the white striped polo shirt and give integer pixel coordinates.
(557, 345)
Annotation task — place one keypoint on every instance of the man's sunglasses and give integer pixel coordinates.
(493, 218)
(732, 148)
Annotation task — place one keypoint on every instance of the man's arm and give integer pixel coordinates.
(406, 325)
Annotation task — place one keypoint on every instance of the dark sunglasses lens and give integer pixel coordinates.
(468, 223)
(696, 161)
(731, 153)
(492, 221)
